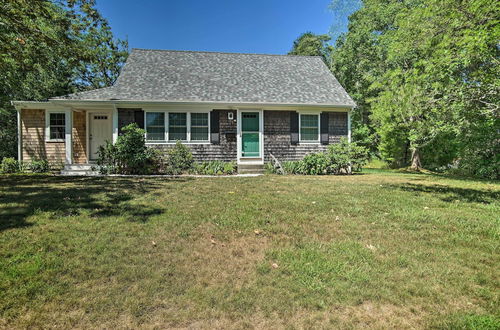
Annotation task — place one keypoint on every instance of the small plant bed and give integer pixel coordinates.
(11, 166)
(341, 158)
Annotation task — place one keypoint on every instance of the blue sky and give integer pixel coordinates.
(249, 26)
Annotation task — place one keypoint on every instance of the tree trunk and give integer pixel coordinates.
(416, 165)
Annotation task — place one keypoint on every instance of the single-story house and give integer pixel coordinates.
(224, 106)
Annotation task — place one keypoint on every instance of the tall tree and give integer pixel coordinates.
(310, 44)
(358, 59)
(50, 48)
(425, 75)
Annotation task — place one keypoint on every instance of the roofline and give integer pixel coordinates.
(64, 102)
(213, 52)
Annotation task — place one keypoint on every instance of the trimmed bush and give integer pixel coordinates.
(129, 155)
(9, 165)
(179, 159)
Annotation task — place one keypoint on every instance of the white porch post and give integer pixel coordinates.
(19, 137)
(115, 123)
(68, 135)
(349, 125)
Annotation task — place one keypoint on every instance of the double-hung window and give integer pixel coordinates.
(309, 127)
(164, 126)
(155, 126)
(177, 126)
(199, 126)
(57, 126)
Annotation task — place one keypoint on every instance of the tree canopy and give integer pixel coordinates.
(425, 75)
(310, 44)
(50, 48)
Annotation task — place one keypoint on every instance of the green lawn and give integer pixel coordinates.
(377, 250)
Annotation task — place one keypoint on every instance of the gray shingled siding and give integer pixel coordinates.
(276, 136)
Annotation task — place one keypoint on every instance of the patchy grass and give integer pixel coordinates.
(377, 250)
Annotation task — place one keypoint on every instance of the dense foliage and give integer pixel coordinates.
(9, 165)
(38, 166)
(310, 44)
(179, 159)
(51, 48)
(426, 77)
(340, 158)
(129, 155)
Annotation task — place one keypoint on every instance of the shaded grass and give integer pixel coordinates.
(378, 250)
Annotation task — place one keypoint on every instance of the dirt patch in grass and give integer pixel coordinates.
(224, 258)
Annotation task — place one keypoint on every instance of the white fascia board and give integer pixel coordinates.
(212, 105)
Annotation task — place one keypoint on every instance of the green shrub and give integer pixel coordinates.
(9, 165)
(179, 159)
(313, 164)
(129, 155)
(215, 167)
(340, 158)
(291, 167)
(39, 166)
(230, 168)
(345, 155)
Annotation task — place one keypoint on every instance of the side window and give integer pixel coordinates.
(199, 126)
(57, 126)
(155, 126)
(309, 128)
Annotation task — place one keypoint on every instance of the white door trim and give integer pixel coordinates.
(257, 160)
(108, 112)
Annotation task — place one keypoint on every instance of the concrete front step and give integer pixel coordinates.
(250, 168)
(79, 173)
(79, 169)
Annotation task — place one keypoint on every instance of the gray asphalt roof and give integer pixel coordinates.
(189, 76)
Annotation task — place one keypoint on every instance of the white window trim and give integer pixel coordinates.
(301, 141)
(47, 124)
(188, 126)
(165, 121)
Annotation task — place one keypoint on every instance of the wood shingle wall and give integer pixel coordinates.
(79, 137)
(33, 136)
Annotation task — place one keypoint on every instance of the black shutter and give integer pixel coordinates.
(139, 118)
(214, 127)
(294, 127)
(324, 128)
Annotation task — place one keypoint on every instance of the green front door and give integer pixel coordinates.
(250, 137)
